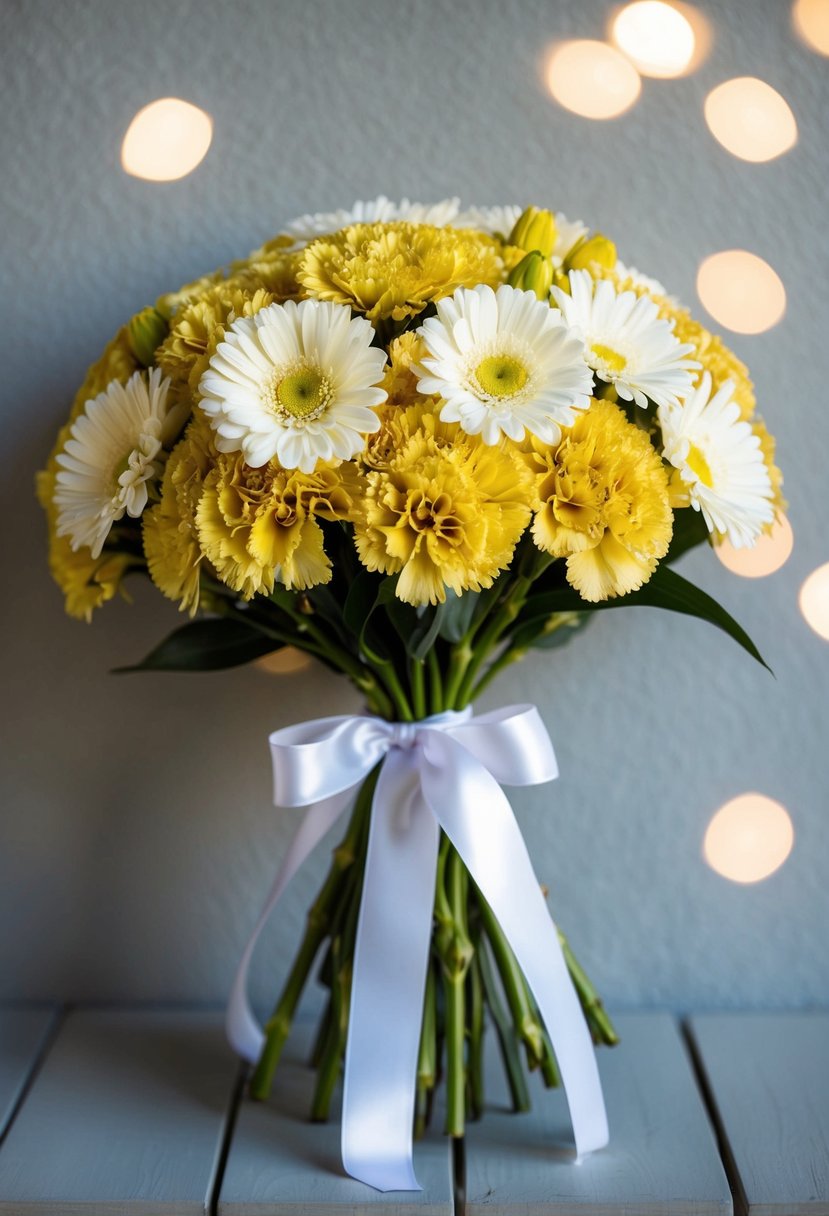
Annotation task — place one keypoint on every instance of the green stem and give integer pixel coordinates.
(427, 1056)
(418, 686)
(507, 1039)
(507, 656)
(512, 602)
(526, 1023)
(390, 678)
(475, 1061)
(456, 956)
(595, 1012)
(435, 683)
(278, 1027)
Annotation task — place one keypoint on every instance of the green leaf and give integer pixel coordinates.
(666, 589)
(366, 594)
(211, 644)
(554, 631)
(690, 530)
(456, 614)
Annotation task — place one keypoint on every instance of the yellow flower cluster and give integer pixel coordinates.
(395, 270)
(426, 501)
(601, 501)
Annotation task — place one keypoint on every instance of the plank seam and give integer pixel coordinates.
(459, 1175)
(45, 1046)
(233, 1108)
(738, 1194)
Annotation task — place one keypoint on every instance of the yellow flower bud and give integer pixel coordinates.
(535, 229)
(597, 249)
(533, 273)
(146, 330)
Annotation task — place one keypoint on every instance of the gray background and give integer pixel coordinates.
(136, 838)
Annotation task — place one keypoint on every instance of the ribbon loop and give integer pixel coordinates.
(443, 772)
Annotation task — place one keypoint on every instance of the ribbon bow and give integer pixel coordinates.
(441, 772)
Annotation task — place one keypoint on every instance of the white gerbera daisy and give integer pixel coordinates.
(720, 462)
(380, 210)
(503, 362)
(295, 381)
(113, 450)
(625, 342)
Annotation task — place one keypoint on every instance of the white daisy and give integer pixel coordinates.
(720, 462)
(653, 286)
(295, 381)
(503, 362)
(379, 210)
(625, 342)
(114, 448)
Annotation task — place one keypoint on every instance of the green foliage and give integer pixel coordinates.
(210, 644)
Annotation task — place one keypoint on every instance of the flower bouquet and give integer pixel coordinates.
(417, 443)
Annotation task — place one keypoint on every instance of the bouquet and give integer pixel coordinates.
(417, 443)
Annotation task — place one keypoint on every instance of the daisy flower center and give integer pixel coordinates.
(698, 464)
(501, 376)
(298, 393)
(609, 360)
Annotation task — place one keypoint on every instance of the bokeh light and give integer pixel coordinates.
(592, 79)
(166, 140)
(656, 37)
(741, 291)
(750, 119)
(285, 662)
(811, 20)
(814, 601)
(748, 838)
(770, 552)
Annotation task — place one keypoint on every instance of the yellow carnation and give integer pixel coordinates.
(714, 356)
(198, 328)
(400, 381)
(768, 447)
(171, 542)
(601, 500)
(258, 527)
(445, 511)
(395, 270)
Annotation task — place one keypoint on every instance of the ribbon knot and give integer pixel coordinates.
(404, 734)
(441, 773)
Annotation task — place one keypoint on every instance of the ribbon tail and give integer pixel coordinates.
(390, 960)
(244, 1032)
(474, 812)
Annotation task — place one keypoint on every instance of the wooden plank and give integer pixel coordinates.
(662, 1159)
(126, 1115)
(280, 1163)
(24, 1031)
(768, 1076)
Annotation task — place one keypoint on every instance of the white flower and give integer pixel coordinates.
(114, 448)
(295, 381)
(503, 362)
(652, 286)
(379, 210)
(720, 462)
(625, 342)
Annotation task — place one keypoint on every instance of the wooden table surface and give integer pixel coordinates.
(141, 1112)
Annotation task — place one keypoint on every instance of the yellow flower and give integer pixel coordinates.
(171, 542)
(198, 328)
(400, 380)
(445, 511)
(601, 500)
(714, 355)
(258, 527)
(395, 270)
(398, 423)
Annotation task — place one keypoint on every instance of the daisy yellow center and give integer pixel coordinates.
(501, 375)
(298, 394)
(699, 465)
(612, 360)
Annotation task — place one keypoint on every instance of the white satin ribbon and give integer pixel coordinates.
(442, 772)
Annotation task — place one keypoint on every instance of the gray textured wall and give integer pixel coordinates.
(136, 833)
